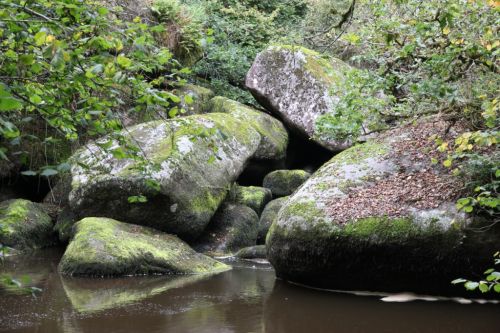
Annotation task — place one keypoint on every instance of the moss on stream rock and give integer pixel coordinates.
(106, 247)
(268, 216)
(25, 225)
(284, 182)
(251, 196)
(336, 231)
(274, 135)
(194, 160)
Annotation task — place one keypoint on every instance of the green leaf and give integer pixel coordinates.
(40, 38)
(35, 99)
(188, 99)
(7, 102)
(102, 11)
(470, 285)
(457, 281)
(496, 287)
(119, 153)
(483, 287)
(137, 199)
(123, 61)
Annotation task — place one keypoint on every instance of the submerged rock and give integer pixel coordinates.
(380, 216)
(285, 182)
(252, 252)
(251, 196)
(25, 225)
(299, 86)
(191, 163)
(106, 247)
(274, 135)
(232, 228)
(268, 216)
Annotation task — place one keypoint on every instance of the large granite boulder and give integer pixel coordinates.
(188, 167)
(299, 86)
(106, 247)
(233, 227)
(25, 225)
(380, 215)
(274, 135)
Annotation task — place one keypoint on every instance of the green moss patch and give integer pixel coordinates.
(106, 247)
(25, 225)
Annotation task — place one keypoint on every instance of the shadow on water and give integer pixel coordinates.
(246, 299)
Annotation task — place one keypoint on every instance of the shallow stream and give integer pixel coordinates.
(245, 299)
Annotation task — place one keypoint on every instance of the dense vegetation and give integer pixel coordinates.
(72, 70)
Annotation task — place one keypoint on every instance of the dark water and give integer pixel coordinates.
(246, 299)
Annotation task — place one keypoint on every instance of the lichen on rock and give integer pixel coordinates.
(274, 135)
(297, 84)
(382, 210)
(194, 160)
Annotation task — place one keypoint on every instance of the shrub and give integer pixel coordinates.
(72, 70)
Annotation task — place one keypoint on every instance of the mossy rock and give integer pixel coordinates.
(25, 225)
(268, 216)
(193, 159)
(419, 249)
(252, 252)
(194, 99)
(284, 182)
(251, 196)
(274, 135)
(299, 85)
(106, 247)
(233, 227)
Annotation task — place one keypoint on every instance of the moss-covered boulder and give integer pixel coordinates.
(284, 182)
(194, 99)
(25, 225)
(191, 163)
(252, 252)
(268, 216)
(380, 215)
(233, 227)
(299, 86)
(251, 196)
(106, 247)
(274, 135)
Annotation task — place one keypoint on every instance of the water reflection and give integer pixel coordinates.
(246, 299)
(336, 312)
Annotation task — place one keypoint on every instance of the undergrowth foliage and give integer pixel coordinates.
(415, 58)
(71, 70)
